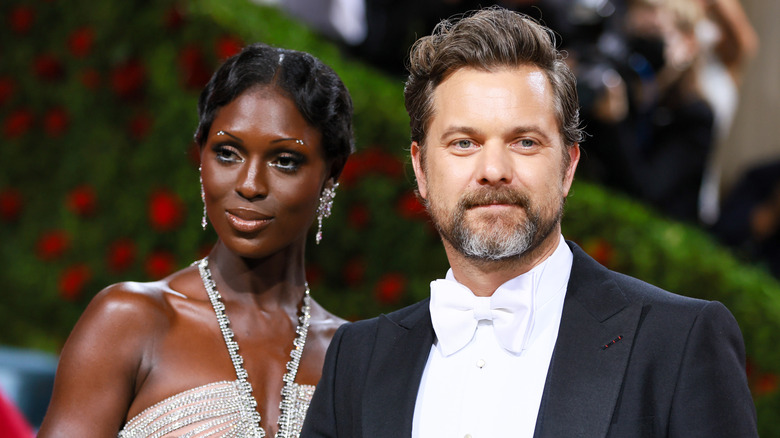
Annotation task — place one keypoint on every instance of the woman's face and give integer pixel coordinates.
(263, 170)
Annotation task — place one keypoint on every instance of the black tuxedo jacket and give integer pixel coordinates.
(631, 360)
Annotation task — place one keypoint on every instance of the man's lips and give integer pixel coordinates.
(247, 221)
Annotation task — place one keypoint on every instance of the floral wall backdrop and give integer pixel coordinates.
(99, 179)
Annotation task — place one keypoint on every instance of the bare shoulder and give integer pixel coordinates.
(324, 322)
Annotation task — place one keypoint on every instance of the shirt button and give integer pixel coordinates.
(480, 363)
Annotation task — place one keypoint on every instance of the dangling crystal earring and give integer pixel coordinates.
(323, 210)
(204, 220)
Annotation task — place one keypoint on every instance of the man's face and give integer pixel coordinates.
(494, 173)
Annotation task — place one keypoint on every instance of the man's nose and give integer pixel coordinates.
(495, 165)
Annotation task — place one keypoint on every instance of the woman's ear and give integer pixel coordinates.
(336, 167)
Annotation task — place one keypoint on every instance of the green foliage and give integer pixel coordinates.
(99, 179)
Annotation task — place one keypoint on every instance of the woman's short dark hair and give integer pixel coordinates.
(315, 88)
(489, 38)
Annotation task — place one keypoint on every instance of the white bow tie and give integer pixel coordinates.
(455, 312)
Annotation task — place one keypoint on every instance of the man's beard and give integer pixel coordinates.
(499, 237)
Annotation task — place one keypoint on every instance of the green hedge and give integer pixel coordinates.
(99, 179)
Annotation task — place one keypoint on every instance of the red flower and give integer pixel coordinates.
(765, 384)
(173, 18)
(354, 272)
(195, 73)
(48, 67)
(82, 201)
(121, 255)
(410, 207)
(390, 288)
(52, 245)
(160, 264)
(10, 204)
(21, 19)
(55, 122)
(128, 79)
(80, 42)
(166, 210)
(373, 160)
(73, 280)
(228, 46)
(313, 274)
(140, 125)
(601, 250)
(18, 123)
(90, 78)
(378, 161)
(6, 89)
(358, 216)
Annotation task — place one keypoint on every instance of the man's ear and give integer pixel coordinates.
(574, 159)
(419, 173)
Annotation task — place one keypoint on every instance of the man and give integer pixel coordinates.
(527, 335)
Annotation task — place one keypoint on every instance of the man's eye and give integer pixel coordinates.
(527, 143)
(464, 144)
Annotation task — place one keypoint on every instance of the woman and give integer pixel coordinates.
(151, 358)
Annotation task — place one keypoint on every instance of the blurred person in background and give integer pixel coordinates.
(652, 127)
(163, 358)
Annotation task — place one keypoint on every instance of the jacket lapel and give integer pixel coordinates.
(591, 354)
(397, 363)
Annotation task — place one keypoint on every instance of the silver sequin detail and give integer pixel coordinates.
(227, 408)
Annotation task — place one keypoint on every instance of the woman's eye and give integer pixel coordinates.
(227, 154)
(286, 163)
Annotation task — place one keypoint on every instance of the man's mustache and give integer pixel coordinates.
(489, 196)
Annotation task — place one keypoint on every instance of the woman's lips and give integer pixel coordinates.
(247, 221)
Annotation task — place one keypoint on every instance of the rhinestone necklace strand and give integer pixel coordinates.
(288, 391)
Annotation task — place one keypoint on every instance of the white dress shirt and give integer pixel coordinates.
(483, 390)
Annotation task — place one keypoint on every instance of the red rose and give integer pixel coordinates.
(166, 210)
(195, 73)
(52, 245)
(10, 204)
(228, 46)
(160, 264)
(128, 79)
(410, 207)
(765, 384)
(55, 122)
(313, 274)
(358, 216)
(140, 125)
(173, 18)
(21, 19)
(48, 67)
(18, 123)
(6, 89)
(90, 78)
(121, 255)
(352, 171)
(82, 201)
(80, 42)
(601, 250)
(390, 288)
(354, 272)
(73, 280)
(378, 161)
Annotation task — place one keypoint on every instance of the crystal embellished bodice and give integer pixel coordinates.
(210, 410)
(227, 408)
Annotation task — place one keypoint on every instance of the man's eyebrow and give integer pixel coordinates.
(453, 130)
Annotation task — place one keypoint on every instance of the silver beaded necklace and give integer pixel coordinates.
(245, 388)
